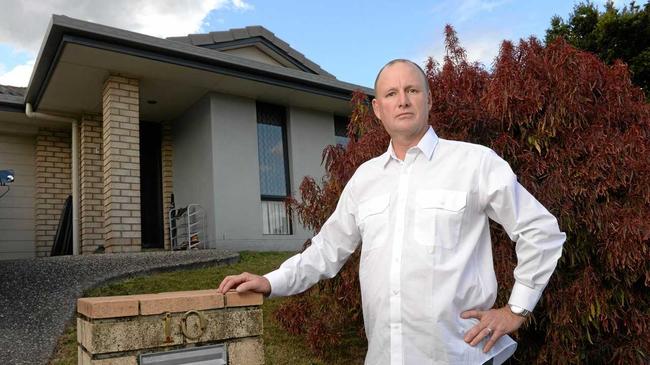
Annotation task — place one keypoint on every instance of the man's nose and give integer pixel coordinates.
(404, 100)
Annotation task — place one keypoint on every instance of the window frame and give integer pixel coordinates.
(260, 106)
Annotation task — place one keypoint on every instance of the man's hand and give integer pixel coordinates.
(494, 323)
(246, 282)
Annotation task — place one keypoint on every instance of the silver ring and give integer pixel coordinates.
(489, 331)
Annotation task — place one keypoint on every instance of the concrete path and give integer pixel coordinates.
(38, 296)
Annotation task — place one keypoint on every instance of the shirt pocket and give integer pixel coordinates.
(439, 217)
(373, 221)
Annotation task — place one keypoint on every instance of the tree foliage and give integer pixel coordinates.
(576, 132)
(611, 34)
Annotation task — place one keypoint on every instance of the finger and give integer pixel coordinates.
(492, 340)
(472, 314)
(473, 332)
(226, 283)
(232, 281)
(485, 332)
(251, 285)
(223, 284)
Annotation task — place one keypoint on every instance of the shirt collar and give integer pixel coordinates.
(426, 145)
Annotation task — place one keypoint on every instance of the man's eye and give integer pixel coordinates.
(390, 93)
(413, 91)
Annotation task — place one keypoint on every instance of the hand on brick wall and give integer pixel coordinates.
(246, 282)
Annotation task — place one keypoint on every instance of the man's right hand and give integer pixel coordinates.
(245, 282)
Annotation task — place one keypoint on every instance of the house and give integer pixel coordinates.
(229, 120)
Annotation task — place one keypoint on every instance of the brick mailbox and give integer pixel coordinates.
(128, 329)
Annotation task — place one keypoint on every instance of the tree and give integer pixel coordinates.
(576, 132)
(612, 34)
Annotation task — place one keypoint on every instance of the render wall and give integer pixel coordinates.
(215, 142)
(192, 161)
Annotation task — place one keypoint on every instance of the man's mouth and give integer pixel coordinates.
(403, 115)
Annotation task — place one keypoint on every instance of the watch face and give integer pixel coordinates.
(517, 310)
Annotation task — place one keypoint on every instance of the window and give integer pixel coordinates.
(274, 167)
(341, 130)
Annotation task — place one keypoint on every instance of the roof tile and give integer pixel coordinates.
(219, 37)
(201, 39)
(239, 33)
(12, 90)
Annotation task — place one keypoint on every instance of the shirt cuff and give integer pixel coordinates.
(278, 280)
(524, 296)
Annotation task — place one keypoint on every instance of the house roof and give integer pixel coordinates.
(12, 90)
(252, 35)
(65, 32)
(12, 98)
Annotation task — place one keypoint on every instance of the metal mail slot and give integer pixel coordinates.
(204, 355)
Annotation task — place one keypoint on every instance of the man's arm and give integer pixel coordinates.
(538, 246)
(329, 250)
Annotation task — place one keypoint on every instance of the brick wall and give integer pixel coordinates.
(53, 184)
(121, 170)
(91, 184)
(167, 176)
(116, 330)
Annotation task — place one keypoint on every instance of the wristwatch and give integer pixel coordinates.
(519, 311)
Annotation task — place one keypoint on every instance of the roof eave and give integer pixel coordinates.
(63, 29)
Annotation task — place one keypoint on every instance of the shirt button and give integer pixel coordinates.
(395, 291)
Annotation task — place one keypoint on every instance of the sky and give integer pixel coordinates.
(350, 39)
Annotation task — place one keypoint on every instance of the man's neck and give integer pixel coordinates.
(402, 144)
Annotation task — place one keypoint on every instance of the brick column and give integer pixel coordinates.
(91, 175)
(121, 157)
(53, 184)
(167, 174)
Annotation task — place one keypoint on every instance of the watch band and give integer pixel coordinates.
(519, 311)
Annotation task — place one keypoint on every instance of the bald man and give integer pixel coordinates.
(421, 212)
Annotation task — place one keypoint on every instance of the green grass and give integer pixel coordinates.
(279, 346)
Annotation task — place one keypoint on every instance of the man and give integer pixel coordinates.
(421, 212)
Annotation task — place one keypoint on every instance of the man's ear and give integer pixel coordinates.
(375, 108)
(429, 101)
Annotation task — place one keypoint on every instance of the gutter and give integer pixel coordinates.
(75, 167)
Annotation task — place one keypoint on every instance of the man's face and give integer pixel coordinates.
(401, 101)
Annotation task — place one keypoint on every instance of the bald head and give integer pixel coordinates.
(409, 62)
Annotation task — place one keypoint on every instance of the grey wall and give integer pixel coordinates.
(193, 178)
(236, 176)
(308, 133)
(216, 142)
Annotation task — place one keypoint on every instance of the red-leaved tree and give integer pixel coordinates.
(576, 132)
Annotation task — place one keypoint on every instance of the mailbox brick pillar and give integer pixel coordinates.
(116, 330)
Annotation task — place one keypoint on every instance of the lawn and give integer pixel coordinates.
(279, 346)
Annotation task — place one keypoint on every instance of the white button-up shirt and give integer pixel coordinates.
(426, 252)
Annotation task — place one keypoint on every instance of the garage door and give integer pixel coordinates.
(17, 206)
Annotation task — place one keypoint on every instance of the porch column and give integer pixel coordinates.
(121, 156)
(167, 177)
(91, 176)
